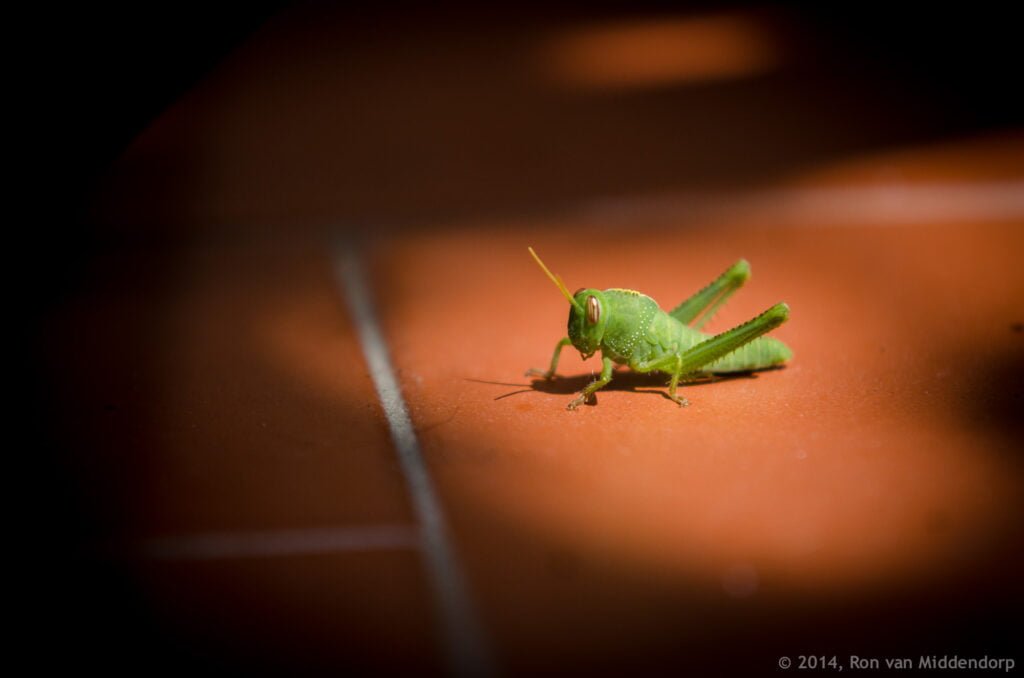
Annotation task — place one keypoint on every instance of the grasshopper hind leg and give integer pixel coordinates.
(673, 365)
(706, 353)
(705, 304)
(697, 358)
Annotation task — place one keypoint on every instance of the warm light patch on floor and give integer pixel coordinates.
(860, 464)
(660, 52)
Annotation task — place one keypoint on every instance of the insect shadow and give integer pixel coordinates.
(625, 380)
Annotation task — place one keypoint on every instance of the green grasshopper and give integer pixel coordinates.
(630, 329)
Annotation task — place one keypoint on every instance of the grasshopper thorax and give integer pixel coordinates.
(588, 317)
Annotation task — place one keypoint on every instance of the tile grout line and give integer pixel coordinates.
(464, 643)
(276, 543)
(879, 205)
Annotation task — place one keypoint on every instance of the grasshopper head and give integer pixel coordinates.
(587, 320)
(587, 313)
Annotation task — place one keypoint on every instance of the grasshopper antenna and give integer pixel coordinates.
(555, 279)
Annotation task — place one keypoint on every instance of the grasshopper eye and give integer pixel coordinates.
(593, 310)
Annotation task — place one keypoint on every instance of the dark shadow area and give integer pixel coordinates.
(409, 117)
(97, 77)
(996, 395)
(108, 71)
(962, 59)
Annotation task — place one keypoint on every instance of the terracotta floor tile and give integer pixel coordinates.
(217, 393)
(232, 398)
(884, 455)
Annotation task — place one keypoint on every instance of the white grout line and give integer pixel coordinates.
(463, 638)
(221, 545)
(881, 204)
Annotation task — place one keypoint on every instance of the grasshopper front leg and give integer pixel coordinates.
(550, 373)
(601, 382)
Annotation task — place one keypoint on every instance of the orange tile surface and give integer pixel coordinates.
(883, 456)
